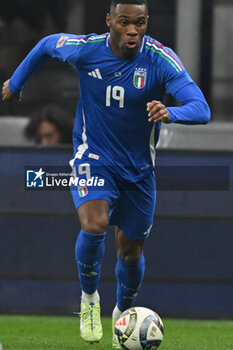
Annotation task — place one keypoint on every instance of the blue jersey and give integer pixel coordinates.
(112, 120)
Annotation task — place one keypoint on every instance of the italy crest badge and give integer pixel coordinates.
(139, 78)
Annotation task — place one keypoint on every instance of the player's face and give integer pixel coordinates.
(128, 24)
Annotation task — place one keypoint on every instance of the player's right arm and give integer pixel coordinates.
(6, 92)
(53, 46)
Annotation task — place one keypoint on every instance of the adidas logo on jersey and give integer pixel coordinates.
(95, 74)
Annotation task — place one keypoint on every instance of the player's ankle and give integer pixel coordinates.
(116, 312)
(90, 298)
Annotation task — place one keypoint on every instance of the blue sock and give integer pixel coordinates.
(129, 280)
(89, 251)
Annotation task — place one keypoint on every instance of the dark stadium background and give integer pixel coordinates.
(189, 254)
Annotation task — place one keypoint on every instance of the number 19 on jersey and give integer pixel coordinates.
(116, 93)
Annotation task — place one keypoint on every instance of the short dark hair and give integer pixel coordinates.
(114, 3)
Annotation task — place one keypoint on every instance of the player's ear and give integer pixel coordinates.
(108, 20)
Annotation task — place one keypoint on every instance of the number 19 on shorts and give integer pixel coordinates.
(116, 93)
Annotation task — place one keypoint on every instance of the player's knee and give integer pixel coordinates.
(130, 257)
(95, 224)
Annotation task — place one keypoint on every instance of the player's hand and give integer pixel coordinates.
(157, 112)
(7, 94)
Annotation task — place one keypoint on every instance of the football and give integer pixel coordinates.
(139, 328)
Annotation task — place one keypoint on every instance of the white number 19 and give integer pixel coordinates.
(117, 93)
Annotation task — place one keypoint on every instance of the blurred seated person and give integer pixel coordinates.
(50, 125)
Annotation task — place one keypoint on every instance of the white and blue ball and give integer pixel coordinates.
(139, 328)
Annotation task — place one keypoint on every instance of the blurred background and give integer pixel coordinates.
(189, 258)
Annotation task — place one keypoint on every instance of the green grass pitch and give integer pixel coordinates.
(61, 333)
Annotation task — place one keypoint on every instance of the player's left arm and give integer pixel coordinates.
(157, 111)
(193, 110)
(177, 82)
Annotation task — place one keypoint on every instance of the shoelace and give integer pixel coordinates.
(96, 315)
(86, 313)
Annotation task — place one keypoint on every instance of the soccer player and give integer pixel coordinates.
(123, 78)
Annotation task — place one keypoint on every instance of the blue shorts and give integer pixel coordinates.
(132, 205)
